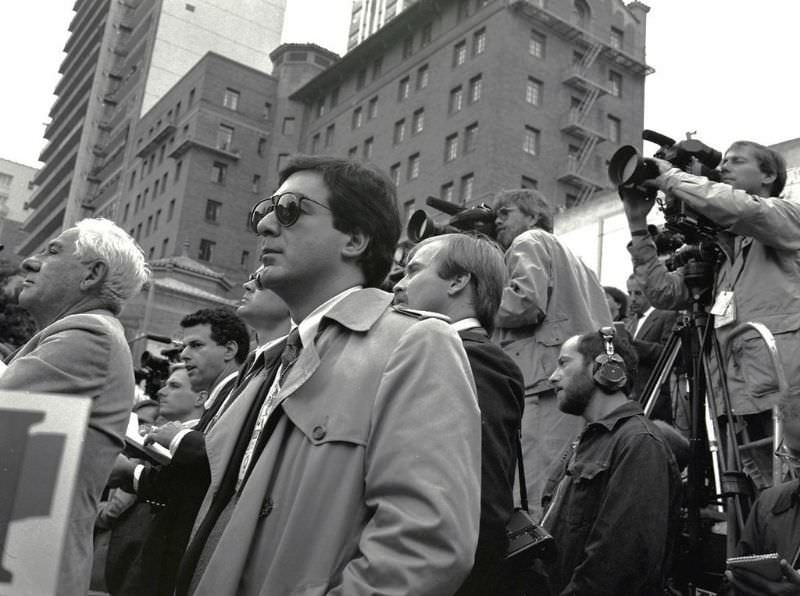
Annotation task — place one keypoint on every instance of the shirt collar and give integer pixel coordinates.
(308, 326)
(610, 420)
(464, 324)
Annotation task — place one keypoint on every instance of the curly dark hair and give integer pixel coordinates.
(225, 326)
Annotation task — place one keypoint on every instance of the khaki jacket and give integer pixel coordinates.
(551, 295)
(763, 271)
(370, 482)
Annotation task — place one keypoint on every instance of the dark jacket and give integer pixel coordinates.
(499, 385)
(773, 525)
(615, 525)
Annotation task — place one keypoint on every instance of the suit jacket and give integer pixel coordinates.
(649, 342)
(551, 295)
(500, 390)
(369, 482)
(82, 355)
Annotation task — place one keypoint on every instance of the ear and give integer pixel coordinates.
(768, 180)
(457, 283)
(231, 349)
(357, 243)
(95, 276)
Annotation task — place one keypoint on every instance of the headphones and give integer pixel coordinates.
(608, 370)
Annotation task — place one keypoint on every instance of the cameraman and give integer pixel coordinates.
(758, 280)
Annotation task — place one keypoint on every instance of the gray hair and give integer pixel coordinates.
(102, 239)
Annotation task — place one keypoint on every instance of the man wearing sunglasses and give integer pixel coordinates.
(353, 466)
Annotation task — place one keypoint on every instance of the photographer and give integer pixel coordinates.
(758, 279)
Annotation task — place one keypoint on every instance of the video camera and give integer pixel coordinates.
(478, 219)
(628, 170)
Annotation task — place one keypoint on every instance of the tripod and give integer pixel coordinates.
(717, 489)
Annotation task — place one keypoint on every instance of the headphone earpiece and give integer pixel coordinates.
(609, 371)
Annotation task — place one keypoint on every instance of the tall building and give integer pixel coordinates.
(121, 57)
(16, 187)
(459, 98)
(370, 15)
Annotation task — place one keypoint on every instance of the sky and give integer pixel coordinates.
(722, 67)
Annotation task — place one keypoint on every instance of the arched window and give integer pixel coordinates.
(581, 14)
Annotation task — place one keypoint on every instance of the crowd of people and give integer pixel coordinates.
(367, 438)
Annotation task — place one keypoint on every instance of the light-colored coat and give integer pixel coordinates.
(84, 355)
(763, 273)
(550, 296)
(370, 482)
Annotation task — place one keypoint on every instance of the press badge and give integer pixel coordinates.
(724, 309)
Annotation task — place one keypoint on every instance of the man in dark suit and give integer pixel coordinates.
(462, 277)
(216, 343)
(650, 329)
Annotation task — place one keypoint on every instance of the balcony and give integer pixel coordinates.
(189, 143)
(574, 175)
(581, 125)
(577, 77)
(160, 136)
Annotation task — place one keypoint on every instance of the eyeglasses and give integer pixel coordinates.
(287, 207)
(787, 455)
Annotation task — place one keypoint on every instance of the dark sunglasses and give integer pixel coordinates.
(286, 206)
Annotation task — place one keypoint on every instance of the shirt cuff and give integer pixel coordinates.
(176, 440)
(137, 472)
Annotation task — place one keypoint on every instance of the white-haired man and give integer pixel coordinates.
(74, 289)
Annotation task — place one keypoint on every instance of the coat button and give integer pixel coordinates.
(266, 507)
(318, 433)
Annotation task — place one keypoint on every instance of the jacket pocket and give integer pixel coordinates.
(588, 480)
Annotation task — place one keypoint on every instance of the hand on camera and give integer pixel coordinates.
(749, 583)
(638, 204)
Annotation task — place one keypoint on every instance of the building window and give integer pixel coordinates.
(171, 210)
(352, 153)
(357, 118)
(423, 74)
(462, 10)
(156, 220)
(262, 144)
(138, 235)
(155, 188)
(368, 145)
(164, 182)
(399, 131)
(212, 210)
(334, 97)
(615, 41)
(451, 147)
(465, 191)
(470, 137)
(533, 92)
(426, 35)
(403, 88)
(149, 226)
(394, 173)
(230, 99)
(191, 97)
(413, 166)
(206, 252)
(321, 109)
(536, 44)
(178, 167)
(218, 172)
(224, 137)
(613, 129)
(377, 67)
(408, 46)
(446, 192)
(459, 53)
(570, 200)
(456, 100)
(144, 197)
(479, 42)
(530, 143)
(151, 253)
(408, 206)
(529, 183)
(132, 180)
(244, 260)
(329, 134)
(288, 126)
(315, 144)
(361, 79)
(255, 184)
(125, 214)
(372, 108)
(282, 159)
(164, 245)
(475, 89)
(267, 110)
(615, 83)
(418, 121)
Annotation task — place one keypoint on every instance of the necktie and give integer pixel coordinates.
(289, 355)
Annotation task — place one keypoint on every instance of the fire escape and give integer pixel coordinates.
(582, 122)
